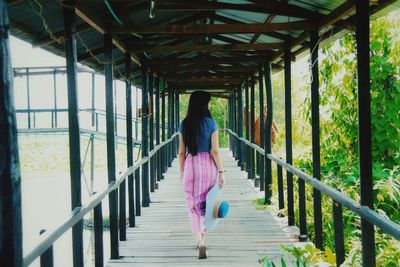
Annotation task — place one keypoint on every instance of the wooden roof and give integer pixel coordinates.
(192, 44)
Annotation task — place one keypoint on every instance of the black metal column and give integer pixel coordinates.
(240, 125)
(261, 103)
(268, 133)
(246, 114)
(113, 201)
(158, 158)
(10, 177)
(151, 132)
(145, 137)
(364, 128)
(233, 124)
(316, 139)
(172, 124)
(252, 130)
(129, 139)
(230, 123)
(176, 121)
(74, 134)
(169, 160)
(288, 126)
(163, 133)
(55, 123)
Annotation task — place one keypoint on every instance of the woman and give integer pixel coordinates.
(199, 161)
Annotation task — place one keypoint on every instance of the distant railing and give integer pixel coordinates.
(96, 113)
(94, 204)
(339, 200)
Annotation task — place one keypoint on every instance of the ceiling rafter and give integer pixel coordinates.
(215, 28)
(208, 47)
(275, 7)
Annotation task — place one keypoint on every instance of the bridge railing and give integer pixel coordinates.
(339, 199)
(44, 248)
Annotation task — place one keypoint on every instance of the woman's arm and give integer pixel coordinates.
(217, 158)
(182, 154)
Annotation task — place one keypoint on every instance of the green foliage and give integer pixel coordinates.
(304, 256)
(339, 135)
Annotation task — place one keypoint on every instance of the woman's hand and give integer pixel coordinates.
(221, 180)
(181, 177)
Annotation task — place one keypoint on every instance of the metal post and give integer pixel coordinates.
(129, 151)
(364, 128)
(93, 99)
(158, 157)
(338, 233)
(288, 126)
(246, 112)
(302, 210)
(261, 100)
(145, 138)
(47, 258)
(268, 133)
(232, 122)
(91, 136)
(10, 177)
(281, 198)
(74, 134)
(91, 163)
(176, 121)
(115, 112)
(240, 125)
(151, 132)
(163, 154)
(55, 98)
(172, 124)
(113, 196)
(137, 113)
(169, 161)
(98, 236)
(252, 130)
(28, 97)
(316, 139)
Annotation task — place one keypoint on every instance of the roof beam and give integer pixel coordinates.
(201, 86)
(215, 28)
(216, 68)
(211, 80)
(208, 47)
(273, 34)
(276, 8)
(83, 12)
(205, 74)
(206, 60)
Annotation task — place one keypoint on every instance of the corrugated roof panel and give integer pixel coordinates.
(244, 16)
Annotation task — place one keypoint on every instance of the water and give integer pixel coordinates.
(46, 205)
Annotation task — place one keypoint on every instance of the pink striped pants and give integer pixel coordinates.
(199, 176)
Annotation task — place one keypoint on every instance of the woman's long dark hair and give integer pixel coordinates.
(197, 109)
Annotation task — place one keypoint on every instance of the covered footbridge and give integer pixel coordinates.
(170, 48)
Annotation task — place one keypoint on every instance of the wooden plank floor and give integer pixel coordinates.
(163, 236)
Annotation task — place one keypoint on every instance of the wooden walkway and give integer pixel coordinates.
(163, 236)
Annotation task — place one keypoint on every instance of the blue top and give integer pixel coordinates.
(208, 126)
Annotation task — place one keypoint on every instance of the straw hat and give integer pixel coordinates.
(216, 208)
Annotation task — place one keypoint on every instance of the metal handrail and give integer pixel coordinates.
(79, 212)
(364, 212)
